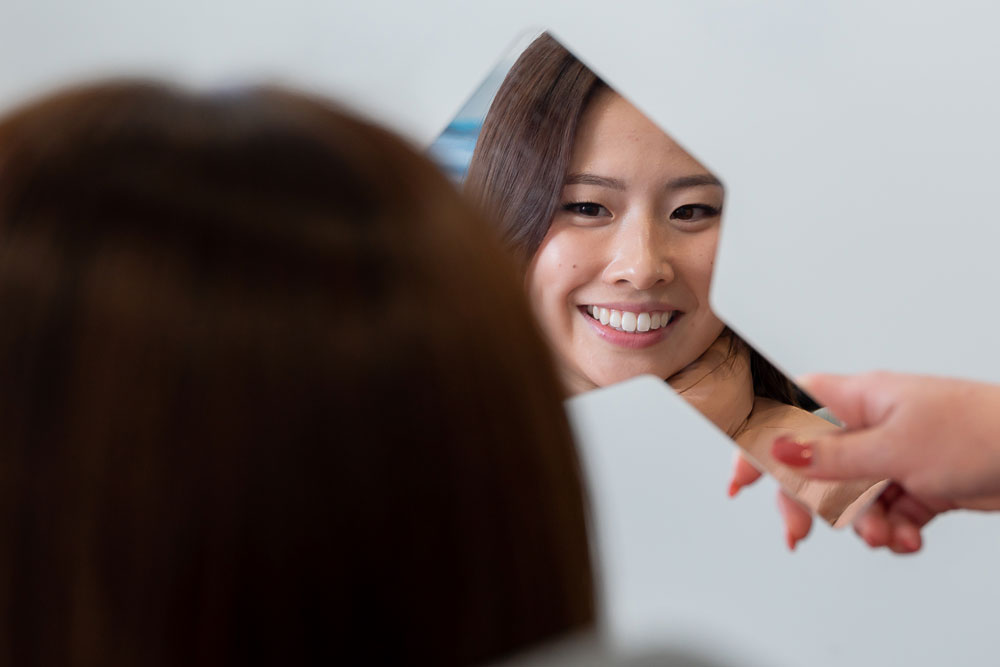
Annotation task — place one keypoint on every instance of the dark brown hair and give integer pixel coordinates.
(526, 142)
(523, 152)
(270, 394)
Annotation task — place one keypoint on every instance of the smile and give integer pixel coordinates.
(630, 322)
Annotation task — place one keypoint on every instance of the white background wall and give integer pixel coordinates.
(858, 142)
(857, 139)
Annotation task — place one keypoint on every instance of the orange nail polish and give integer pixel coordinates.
(734, 488)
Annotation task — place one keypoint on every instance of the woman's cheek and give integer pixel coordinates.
(548, 279)
(701, 262)
(560, 264)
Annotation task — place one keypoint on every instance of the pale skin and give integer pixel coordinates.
(636, 228)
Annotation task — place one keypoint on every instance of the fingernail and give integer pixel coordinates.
(910, 539)
(734, 488)
(792, 453)
(791, 540)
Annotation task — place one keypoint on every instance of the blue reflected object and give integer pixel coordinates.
(453, 149)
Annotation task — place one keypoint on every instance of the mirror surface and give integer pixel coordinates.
(616, 227)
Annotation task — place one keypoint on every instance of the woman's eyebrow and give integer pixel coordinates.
(594, 179)
(692, 181)
(616, 184)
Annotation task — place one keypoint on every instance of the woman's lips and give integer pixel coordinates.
(630, 328)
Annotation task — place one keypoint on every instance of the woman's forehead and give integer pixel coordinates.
(614, 139)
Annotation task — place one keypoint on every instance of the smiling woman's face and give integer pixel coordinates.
(620, 281)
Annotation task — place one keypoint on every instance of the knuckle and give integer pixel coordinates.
(878, 378)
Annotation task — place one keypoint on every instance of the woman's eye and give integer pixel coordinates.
(587, 209)
(693, 212)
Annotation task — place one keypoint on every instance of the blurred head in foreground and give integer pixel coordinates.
(269, 394)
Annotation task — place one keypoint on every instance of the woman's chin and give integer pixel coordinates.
(578, 380)
(617, 375)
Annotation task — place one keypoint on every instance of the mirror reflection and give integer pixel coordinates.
(615, 227)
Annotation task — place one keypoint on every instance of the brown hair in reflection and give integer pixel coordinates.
(524, 147)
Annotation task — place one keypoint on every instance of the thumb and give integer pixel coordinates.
(843, 395)
(858, 454)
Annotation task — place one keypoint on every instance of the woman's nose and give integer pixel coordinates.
(639, 258)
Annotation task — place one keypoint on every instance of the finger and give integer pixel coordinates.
(909, 538)
(912, 510)
(906, 537)
(798, 520)
(744, 474)
(873, 526)
(890, 494)
(839, 455)
(842, 394)
(860, 401)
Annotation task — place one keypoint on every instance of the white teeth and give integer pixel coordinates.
(625, 320)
